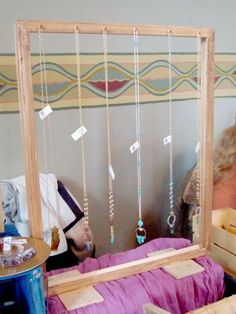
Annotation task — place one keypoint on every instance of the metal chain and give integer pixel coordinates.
(172, 217)
(110, 186)
(140, 232)
(138, 124)
(47, 124)
(44, 103)
(86, 235)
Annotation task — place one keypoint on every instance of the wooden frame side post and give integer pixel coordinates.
(207, 113)
(27, 120)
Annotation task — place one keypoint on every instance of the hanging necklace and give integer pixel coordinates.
(198, 146)
(111, 175)
(140, 231)
(44, 115)
(171, 218)
(86, 235)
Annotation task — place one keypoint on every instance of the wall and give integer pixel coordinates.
(154, 117)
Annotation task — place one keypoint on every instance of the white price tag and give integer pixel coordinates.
(45, 112)
(78, 133)
(7, 243)
(111, 172)
(134, 147)
(167, 139)
(197, 147)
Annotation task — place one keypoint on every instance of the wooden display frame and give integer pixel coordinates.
(25, 90)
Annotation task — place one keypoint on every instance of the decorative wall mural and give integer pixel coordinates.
(154, 84)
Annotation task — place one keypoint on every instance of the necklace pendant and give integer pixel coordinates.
(140, 232)
(88, 246)
(112, 240)
(87, 240)
(171, 221)
(55, 238)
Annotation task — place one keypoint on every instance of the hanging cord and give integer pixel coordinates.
(44, 94)
(86, 235)
(110, 170)
(172, 217)
(55, 238)
(198, 147)
(140, 231)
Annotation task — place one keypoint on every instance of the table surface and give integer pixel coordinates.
(42, 253)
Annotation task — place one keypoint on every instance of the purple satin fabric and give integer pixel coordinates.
(128, 295)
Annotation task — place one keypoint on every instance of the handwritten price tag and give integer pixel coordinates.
(78, 133)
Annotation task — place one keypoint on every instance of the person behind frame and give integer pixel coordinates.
(224, 183)
(224, 170)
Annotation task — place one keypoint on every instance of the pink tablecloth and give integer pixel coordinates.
(128, 295)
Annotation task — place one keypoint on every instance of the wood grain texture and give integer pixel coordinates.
(28, 130)
(113, 29)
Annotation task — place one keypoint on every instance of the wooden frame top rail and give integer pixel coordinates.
(113, 29)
